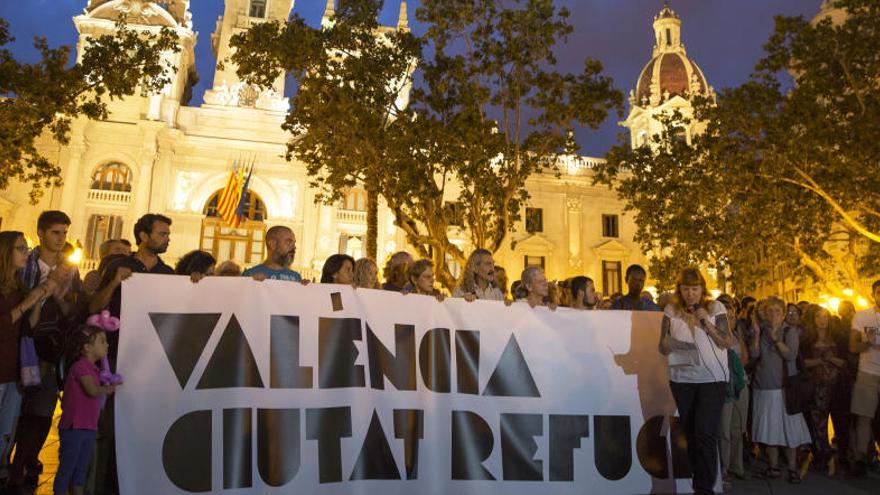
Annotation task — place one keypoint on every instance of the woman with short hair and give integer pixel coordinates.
(338, 269)
(421, 280)
(695, 335)
(774, 346)
(534, 289)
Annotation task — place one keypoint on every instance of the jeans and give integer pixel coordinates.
(74, 456)
(699, 409)
(10, 406)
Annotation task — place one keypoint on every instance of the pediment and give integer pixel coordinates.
(141, 12)
(536, 243)
(611, 248)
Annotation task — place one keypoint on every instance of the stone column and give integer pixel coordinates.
(573, 207)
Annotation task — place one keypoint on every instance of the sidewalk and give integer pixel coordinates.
(813, 484)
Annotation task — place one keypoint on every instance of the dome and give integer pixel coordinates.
(672, 72)
(669, 72)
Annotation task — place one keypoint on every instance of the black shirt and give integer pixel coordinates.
(136, 266)
(115, 305)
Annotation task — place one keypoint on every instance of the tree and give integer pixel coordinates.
(487, 110)
(49, 95)
(490, 112)
(786, 175)
(351, 75)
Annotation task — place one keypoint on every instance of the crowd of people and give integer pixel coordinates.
(749, 378)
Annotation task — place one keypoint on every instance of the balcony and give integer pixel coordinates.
(109, 197)
(351, 216)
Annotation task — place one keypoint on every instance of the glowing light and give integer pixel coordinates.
(824, 305)
(833, 304)
(652, 290)
(848, 292)
(863, 303)
(715, 293)
(76, 256)
(824, 296)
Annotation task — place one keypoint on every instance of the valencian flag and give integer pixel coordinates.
(233, 201)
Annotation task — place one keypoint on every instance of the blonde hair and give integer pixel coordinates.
(396, 269)
(363, 279)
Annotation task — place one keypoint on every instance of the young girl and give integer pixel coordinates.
(81, 406)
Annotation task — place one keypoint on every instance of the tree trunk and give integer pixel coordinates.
(372, 221)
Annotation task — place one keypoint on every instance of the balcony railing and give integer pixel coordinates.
(116, 197)
(351, 216)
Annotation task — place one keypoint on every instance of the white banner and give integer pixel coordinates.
(274, 387)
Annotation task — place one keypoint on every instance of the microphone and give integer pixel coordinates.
(694, 309)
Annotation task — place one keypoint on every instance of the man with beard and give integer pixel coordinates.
(153, 233)
(281, 248)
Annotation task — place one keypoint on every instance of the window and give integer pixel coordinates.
(112, 177)
(679, 135)
(611, 277)
(454, 213)
(355, 200)
(530, 261)
(668, 37)
(351, 245)
(258, 8)
(100, 229)
(610, 226)
(255, 209)
(534, 220)
(243, 245)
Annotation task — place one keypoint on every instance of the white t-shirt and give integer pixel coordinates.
(869, 361)
(712, 365)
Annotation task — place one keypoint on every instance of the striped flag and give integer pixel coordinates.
(227, 207)
(241, 210)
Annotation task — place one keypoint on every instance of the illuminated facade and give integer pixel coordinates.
(158, 154)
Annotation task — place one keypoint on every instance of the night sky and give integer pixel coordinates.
(724, 37)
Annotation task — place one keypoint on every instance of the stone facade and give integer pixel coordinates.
(158, 154)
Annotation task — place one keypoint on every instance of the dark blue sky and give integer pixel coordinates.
(723, 36)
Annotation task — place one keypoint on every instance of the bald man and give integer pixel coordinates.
(280, 250)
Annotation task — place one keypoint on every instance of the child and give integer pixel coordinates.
(81, 405)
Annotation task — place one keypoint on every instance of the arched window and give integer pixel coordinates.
(112, 177)
(255, 209)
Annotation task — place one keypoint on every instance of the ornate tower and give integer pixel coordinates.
(100, 17)
(228, 89)
(669, 82)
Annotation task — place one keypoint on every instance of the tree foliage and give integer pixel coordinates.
(492, 111)
(487, 111)
(787, 173)
(47, 96)
(351, 74)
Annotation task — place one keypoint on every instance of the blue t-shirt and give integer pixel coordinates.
(283, 274)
